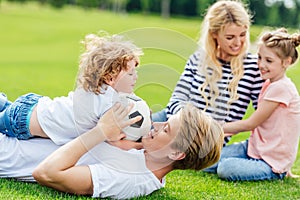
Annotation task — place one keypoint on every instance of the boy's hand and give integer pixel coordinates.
(126, 144)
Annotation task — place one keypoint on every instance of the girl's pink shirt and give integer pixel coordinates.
(276, 140)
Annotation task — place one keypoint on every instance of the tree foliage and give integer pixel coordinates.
(265, 12)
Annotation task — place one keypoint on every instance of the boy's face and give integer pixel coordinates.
(126, 80)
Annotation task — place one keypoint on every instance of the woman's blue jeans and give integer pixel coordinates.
(160, 116)
(236, 165)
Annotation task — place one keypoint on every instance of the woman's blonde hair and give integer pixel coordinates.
(200, 137)
(104, 58)
(218, 16)
(282, 43)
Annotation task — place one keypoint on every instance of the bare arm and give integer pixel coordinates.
(263, 112)
(59, 171)
(127, 144)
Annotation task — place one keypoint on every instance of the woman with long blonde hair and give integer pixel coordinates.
(221, 77)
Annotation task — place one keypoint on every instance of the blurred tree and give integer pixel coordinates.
(258, 10)
(202, 6)
(103, 4)
(119, 6)
(183, 7)
(265, 12)
(165, 8)
(88, 3)
(145, 5)
(285, 15)
(273, 17)
(20, 1)
(296, 19)
(135, 6)
(42, 1)
(57, 3)
(155, 6)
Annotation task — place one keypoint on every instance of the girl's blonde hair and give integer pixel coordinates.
(218, 16)
(283, 44)
(104, 58)
(200, 137)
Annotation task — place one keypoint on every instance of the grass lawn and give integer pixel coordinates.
(39, 52)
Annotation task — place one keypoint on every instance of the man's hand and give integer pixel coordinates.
(114, 120)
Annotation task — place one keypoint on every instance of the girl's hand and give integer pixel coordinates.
(228, 134)
(289, 174)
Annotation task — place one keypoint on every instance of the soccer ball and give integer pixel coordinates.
(141, 127)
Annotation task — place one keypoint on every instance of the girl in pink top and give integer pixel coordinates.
(272, 148)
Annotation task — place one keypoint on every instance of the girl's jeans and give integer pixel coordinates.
(236, 165)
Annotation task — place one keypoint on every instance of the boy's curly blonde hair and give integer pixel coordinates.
(104, 58)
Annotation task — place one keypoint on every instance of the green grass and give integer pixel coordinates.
(39, 51)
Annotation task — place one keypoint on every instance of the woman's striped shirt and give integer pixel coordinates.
(187, 89)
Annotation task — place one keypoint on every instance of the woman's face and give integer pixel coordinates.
(230, 41)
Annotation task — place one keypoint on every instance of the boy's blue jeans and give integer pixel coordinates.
(3, 102)
(236, 165)
(15, 117)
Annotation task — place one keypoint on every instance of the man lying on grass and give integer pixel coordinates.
(89, 166)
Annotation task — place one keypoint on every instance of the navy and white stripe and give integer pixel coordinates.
(187, 89)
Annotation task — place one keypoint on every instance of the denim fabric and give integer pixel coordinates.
(236, 165)
(14, 120)
(3, 102)
(160, 116)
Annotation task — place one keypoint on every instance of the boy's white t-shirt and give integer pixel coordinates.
(88, 107)
(115, 173)
(65, 118)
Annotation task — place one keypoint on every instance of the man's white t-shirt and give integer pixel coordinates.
(122, 175)
(115, 173)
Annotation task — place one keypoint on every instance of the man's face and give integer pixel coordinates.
(158, 141)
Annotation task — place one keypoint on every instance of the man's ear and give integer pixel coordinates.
(176, 155)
